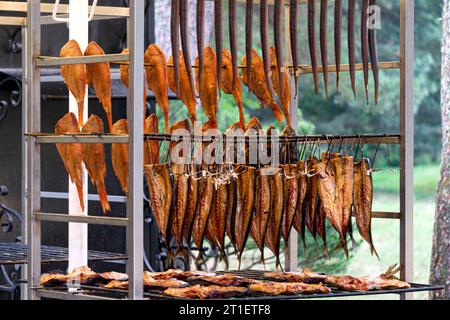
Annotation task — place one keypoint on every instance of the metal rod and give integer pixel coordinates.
(44, 61)
(66, 218)
(13, 21)
(407, 141)
(34, 151)
(135, 206)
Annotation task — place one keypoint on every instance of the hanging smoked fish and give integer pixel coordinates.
(233, 41)
(264, 14)
(184, 27)
(278, 39)
(312, 42)
(374, 55)
(338, 38)
(200, 35)
(324, 41)
(293, 15)
(249, 35)
(175, 41)
(365, 45)
(351, 42)
(218, 38)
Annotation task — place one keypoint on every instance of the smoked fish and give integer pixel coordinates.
(119, 155)
(207, 87)
(94, 159)
(282, 88)
(151, 148)
(290, 192)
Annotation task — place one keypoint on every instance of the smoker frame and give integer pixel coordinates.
(134, 223)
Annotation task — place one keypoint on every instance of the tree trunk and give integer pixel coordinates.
(440, 259)
(162, 25)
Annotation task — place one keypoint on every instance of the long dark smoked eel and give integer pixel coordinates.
(278, 39)
(264, 15)
(365, 45)
(373, 48)
(338, 38)
(233, 41)
(249, 35)
(293, 16)
(200, 36)
(175, 40)
(324, 41)
(351, 42)
(184, 27)
(218, 37)
(312, 41)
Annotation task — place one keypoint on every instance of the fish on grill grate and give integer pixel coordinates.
(227, 279)
(205, 292)
(305, 276)
(278, 289)
(178, 274)
(113, 276)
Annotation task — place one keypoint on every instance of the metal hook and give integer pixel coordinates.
(60, 19)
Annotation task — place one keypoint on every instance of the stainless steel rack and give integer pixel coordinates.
(33, 61)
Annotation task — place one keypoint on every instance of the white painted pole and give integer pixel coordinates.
(78, 233)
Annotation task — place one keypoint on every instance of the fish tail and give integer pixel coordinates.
(80, 113)
(166, 122)
(277, 112)
(103, 197)
(79, 186)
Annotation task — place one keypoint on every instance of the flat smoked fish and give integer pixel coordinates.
(160, 189)
(362, 201)
(282, 88)
(151, 148)
(311, 200)
(207, 88)
(71, 154)
(299, 219)
(290, 187)
(94, 159)
(180, 189)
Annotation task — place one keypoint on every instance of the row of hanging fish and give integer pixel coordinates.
(196, 202)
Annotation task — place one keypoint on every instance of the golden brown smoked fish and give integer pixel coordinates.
(262, 209)
(311, 200)
(151, 148)
(219, 216)
(283, 89)
(189, 217)
(75, 76)
(227, 84)
(290, 187)
(362, 201)
(99, 76)
(218, 37)
(184, 92)
(273, 231)
(312, 42)
(207, 88)
(157, 79)
(245, 188)
(94, 159)
(180, 189)
(299, 219)
(257, 85)
(160, 189)
(119, 155)
(71, 154)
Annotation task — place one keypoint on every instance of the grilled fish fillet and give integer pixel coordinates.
(113, 276)
(223, 280)
(99, 76)
(278, 289)
(177, 274)
(205, 292)
(362, 201)
(257, 85)
(94, 159)
(75, 76)
(185, 93)
(160, 189)
(119, 155)
(226, 84)
(71, 154)
(157, 79)
(305, 276)
(207, 86)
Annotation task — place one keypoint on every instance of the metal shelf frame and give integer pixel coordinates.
(32, 86)
(33, 61)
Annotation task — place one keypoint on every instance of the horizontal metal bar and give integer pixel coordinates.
(48, 20)
(385, 215)
(64, 8)
(13, 21)
(44, 61)
(123, 139)
(57, 217)
(62, 295)
(91, 197)
(390, 65)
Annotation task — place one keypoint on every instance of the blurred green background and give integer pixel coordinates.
(340, 113)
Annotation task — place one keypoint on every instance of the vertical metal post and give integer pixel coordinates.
(135, 208)
(291, 254)
(24, 290)
(407, 141)
(34, 151)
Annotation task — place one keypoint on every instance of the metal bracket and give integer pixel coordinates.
(59, 19)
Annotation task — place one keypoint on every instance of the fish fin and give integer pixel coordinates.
(101, 189)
